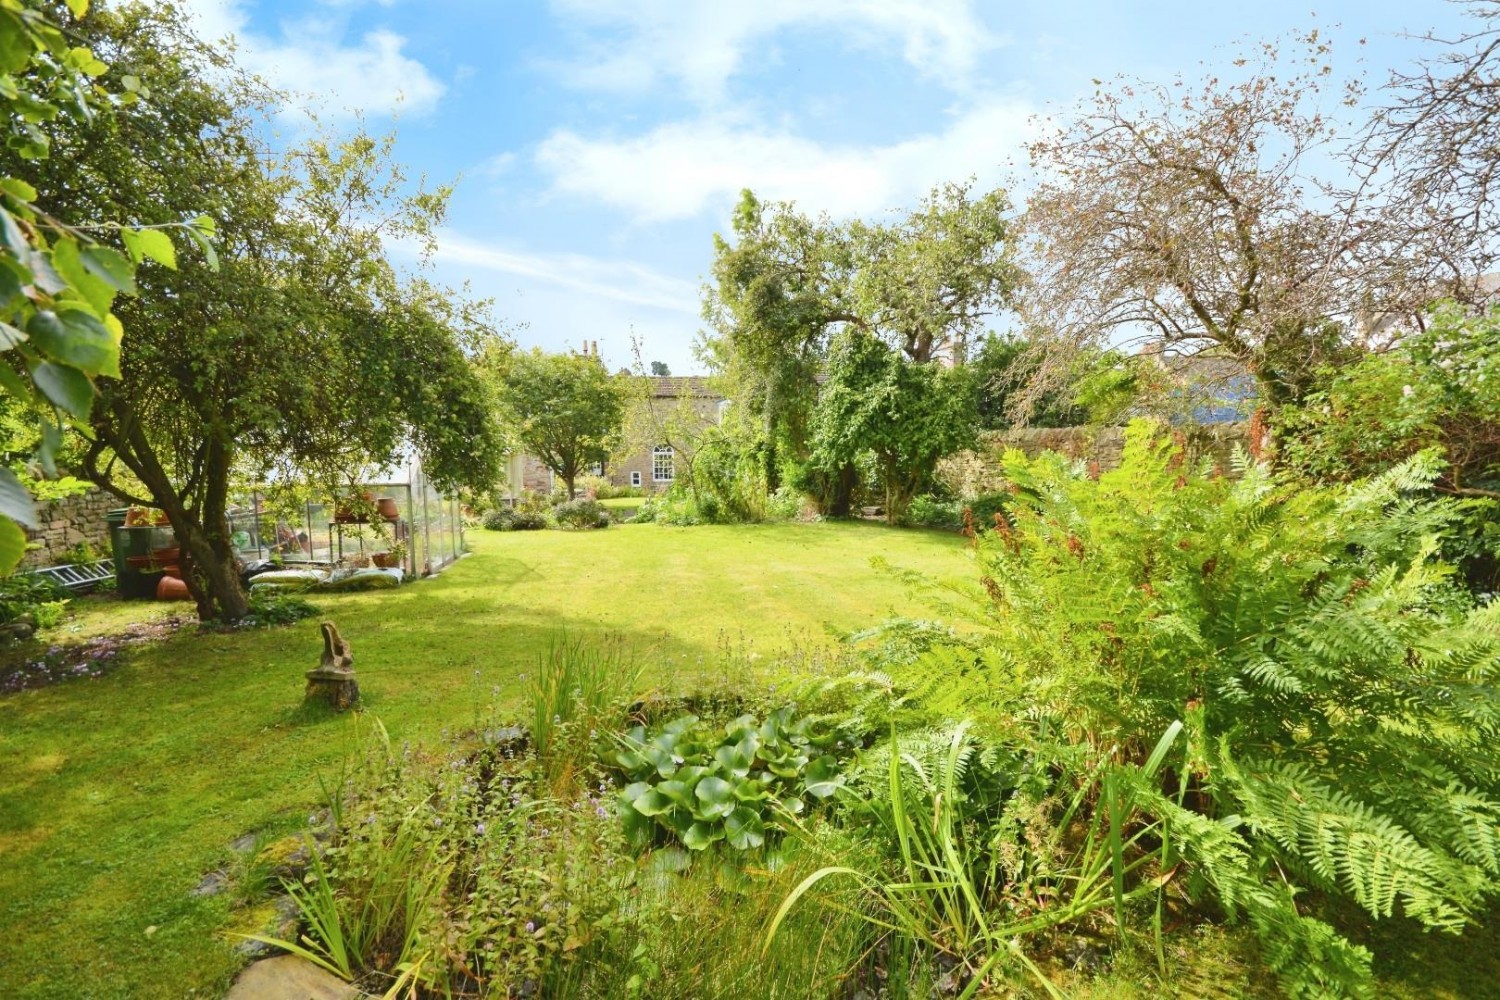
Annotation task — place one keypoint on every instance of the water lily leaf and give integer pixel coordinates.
(740, 728)
(823, 777)
(678, 792)
(744, 829)
(715, 798)
(681, 724)
(639, 830)
(700, 836)
(733, 760)
(669, 859)
(632, 762)
(750, 791)
(652, 803)
(793, 805)
(634, 790)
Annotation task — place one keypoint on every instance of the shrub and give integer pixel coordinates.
(29, 594)
(1335, 683)
(272, 608)
(499, 519)
(525, 520)
(785, 504)
(581, 514)
(927, 511)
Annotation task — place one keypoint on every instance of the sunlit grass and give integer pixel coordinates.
(117, 794)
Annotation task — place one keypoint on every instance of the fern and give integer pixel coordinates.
(1338, 682)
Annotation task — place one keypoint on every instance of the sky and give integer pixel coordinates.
(597, 145)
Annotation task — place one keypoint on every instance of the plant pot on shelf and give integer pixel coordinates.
(387, 508)
(385, 560)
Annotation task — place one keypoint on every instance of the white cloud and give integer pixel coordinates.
(617, 281)
(312, 59)
(702, 44)
(682, 169)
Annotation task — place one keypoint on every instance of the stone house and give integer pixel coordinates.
(662, 421)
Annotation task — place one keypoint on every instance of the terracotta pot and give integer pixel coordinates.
(385, 560)
(387, 508)
(170, 554)
(169, 588)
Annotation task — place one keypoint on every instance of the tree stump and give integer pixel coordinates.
(332, 681)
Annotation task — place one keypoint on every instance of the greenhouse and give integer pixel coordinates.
(397, 520)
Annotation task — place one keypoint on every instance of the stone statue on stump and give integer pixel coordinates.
(333, 679)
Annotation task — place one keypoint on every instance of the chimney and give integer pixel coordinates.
(596, 348)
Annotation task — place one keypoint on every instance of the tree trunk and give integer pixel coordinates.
(208, 564)
(843, 491)
(568, 482)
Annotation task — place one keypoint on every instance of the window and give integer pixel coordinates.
(661, 464)
(635, 478)
(597, 469)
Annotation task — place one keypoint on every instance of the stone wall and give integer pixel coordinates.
(65, 523)
(974, 473)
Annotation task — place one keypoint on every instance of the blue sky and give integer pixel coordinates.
(598, 144)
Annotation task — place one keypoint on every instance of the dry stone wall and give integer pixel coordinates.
(974, 473)
(65, 523)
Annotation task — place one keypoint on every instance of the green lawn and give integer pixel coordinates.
(117, 794)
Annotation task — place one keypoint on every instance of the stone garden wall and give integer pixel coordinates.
(973, 473)
(65, 523)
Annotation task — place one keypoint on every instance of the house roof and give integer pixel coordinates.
(677, 386)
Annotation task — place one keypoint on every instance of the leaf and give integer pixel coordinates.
(744, 829)
(733, 760)
(68, 260)
(111, 267)
(652, 803)
(715, 798)
(823, 777)
(64, 387)
(17, 189)
(10, 336)
(12, 544)
(700, 836)
(75, 336)
(78, 7)
(677, 792)
(15, 502)
(633, 791)
(15, 45)
(150, 244)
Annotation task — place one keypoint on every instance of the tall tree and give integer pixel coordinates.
(566, 409)
(1194, 214)
(908, 414)
(788, 284)
(1432, 153)
(303, 349)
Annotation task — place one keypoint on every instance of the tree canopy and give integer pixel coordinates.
(566, 409)
(300, 349)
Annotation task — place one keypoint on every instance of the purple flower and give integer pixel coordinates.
(530, 927)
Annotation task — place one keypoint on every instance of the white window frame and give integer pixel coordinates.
(657, 454)
(635, 478)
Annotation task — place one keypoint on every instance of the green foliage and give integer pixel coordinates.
(1001, 368)
(29, 594)
(499, 519)
(567, 409)
(1336, 683)
(582, 514)
(58, 282)
(577, 694)
(908, 415)
(700, 784)
(273, 608)
(1435, 392)
(928, 511)
(299, 350)
(787, 284)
